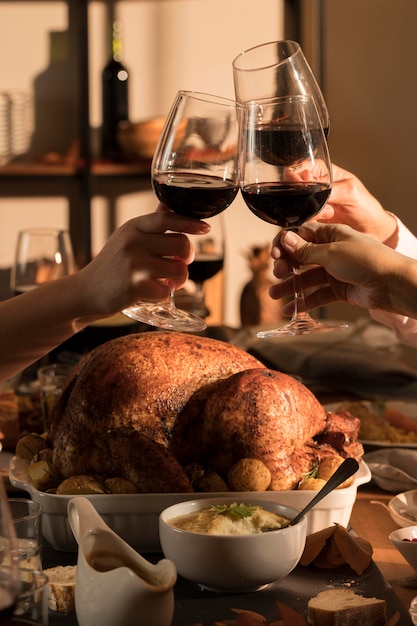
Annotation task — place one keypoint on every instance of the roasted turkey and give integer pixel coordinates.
(146, 407)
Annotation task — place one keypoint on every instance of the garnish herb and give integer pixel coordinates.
(234, 510)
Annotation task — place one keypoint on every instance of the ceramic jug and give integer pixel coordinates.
(116, 586)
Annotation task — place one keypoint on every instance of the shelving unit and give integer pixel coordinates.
(77, 179)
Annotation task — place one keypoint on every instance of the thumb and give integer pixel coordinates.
(297, 247)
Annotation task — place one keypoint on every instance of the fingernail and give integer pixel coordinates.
(290, 239)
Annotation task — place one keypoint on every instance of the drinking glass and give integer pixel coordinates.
(27, 522)
(42, 255)
(274, 69)
(286, 179)
(194, 173)
(9, 563)
(208, 261)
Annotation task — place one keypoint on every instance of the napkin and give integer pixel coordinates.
(335, 546)
(354, 361)
(393, 469)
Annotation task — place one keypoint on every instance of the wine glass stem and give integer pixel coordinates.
(171, 300)
(299, 300)
(199, 292)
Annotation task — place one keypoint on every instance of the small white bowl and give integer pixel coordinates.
(232, 562)
(407, 548)
(403, 508)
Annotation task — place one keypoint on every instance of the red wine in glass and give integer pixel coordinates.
(286, 204)
(285, 179)
(195, 174)
(199, 196)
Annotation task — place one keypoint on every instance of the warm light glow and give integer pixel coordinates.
(122, 75)
(58, 258)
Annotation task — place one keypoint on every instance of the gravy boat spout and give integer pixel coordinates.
(115, 585)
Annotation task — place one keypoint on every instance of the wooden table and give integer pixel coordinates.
(369, 521)
(373, 523)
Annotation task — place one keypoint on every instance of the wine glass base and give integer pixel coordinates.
(303, 326)
(166, 317)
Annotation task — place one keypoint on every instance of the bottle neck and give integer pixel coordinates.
(117, 41)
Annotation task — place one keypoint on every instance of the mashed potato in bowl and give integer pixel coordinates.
(230, 519)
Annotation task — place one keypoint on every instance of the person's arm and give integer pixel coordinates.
(130, 267)
(347, 266)
(351, 203)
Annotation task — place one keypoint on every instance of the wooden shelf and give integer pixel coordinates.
(139, 168)
(98, 168)
(21, 169)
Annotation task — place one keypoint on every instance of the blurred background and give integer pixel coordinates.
(51, 59)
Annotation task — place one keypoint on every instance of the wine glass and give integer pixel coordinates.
(42, 255)
(286, 179)
(274, 69)
(9, 563)
(194, 173)
(208, 261)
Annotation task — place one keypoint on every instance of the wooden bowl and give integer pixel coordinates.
(139, 139)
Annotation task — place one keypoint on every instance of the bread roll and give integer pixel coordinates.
(61, 588)
(344, 607)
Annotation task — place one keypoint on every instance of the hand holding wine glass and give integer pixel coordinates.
(194, 173)
(286, 178)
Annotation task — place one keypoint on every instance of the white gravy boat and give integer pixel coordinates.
(116, 586)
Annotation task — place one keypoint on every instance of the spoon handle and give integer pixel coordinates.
(343, 472)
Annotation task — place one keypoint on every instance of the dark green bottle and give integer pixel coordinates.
(115, 94)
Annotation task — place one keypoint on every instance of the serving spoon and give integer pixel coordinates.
(343, 472)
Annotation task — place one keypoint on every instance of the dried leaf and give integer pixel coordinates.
(394, 619)
(289, 616)
(245, 619)
(357, 552)
(256, 618)
(335, 546)
(315, 544)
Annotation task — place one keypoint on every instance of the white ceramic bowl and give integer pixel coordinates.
(403, 508)
(407, 548)
(135, 516)
(232, 562)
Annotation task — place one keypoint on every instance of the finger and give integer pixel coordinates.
(170, 244)
(161, 220)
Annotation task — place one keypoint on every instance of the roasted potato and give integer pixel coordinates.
(43, 475)
(249, 475)
(119, 485)
(312, 483)
(29, 446)
(79, 484)
(327, 468)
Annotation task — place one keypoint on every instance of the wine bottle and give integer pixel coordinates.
(115, 105)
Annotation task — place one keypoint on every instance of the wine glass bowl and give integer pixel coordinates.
(286, 178)
(42, 255)
(194, 173)
(274, 69)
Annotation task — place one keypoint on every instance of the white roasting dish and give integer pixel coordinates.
(135, 517)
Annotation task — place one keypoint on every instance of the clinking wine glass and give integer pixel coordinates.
(42, 255)
(275, 69)
(9, 563)
(286, 179)
(194, 173)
